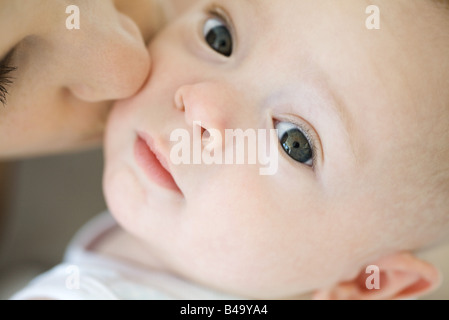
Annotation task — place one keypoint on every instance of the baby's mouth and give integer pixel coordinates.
(153, 163)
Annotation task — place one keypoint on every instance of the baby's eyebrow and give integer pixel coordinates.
(336, 103)
(315, 99)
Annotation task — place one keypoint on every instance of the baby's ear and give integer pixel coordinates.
(394, 277)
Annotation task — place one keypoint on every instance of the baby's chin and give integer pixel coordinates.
(121, 193)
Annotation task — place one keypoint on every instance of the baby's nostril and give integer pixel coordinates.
(179, 102)
(205, 133)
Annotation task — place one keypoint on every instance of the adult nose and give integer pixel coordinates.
(112, 60)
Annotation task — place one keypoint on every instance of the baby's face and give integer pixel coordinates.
(358, 101)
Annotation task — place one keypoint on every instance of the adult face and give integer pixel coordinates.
(64, 80)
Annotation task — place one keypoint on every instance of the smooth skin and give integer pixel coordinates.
(375, 105)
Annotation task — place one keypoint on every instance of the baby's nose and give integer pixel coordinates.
(214, 105)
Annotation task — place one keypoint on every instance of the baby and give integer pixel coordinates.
(362, 178)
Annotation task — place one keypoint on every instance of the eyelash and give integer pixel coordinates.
(5, 77)
(216, 11)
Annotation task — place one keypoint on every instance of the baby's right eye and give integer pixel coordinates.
(218, 36)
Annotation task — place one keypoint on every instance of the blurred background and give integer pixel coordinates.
(51, 198)
(43, 202)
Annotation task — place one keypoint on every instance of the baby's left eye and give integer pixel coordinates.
(218, 36)
(295, 143)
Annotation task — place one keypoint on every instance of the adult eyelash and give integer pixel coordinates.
(5, 81)
(5, 76)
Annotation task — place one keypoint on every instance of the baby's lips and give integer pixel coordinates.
(154, 162)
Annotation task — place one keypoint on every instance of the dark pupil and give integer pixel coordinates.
(220, 40)
(297, 146)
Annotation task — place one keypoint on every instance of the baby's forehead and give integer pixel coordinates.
(399, 18)
(389, 82)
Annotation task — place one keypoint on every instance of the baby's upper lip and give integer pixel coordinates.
(156, 148)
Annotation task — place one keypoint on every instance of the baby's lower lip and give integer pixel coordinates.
(151, 166)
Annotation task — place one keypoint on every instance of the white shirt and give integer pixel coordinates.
(86, 275)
